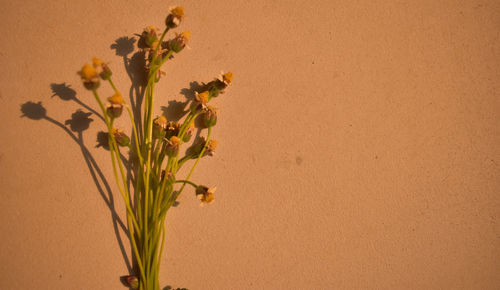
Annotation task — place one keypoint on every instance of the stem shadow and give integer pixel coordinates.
(78, 123)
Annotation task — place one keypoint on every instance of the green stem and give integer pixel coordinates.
(197, 160)
(130, 215)
(188, 182)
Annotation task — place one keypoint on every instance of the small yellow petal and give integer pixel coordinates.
(178, 11)
(162, 120)
(202, 97)
(97, 62)
(228, 77)
(88, 72)
(186, 34)
(116, 99)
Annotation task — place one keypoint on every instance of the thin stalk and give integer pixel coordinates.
(130, 215)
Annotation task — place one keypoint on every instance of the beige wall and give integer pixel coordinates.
(359, 146)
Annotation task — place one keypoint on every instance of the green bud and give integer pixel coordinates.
(132, 282)
(121, 138)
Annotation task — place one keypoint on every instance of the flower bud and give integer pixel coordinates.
(159, 126)
(172, 146)
(209, 150)
(106, 73)
(179, 42)
(175, 17)
(189, 133)
(101, 68)
(115, 108)
(121, 138)
(150, 35)
(132, 282)
(209, 116)
(205, 194)
(89, 77)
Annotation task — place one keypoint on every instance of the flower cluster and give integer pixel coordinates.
(156, 145)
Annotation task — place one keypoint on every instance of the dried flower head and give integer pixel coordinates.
(209, 116)
(199, 145)
(172, 129)
(220, 84)
(172, 146)
(227, 78)
(159, 126)
(211, 146)
(115, 106)
(202, 97)
(179, 42)
(201, 100)
(89, 77)
(205, 194)
(175, 17)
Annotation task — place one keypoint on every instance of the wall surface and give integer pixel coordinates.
(358, 145)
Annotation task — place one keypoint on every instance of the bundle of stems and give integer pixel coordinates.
(156, 148)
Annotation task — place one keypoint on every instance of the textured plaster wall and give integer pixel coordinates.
(359, 146)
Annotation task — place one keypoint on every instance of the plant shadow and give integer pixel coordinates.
(79, 122)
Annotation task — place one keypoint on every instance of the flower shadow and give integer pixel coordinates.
(78, 123)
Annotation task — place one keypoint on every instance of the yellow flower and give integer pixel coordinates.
(205, 194)
(175, 17)
(116, 99)
(227, 78)
(202, 97)
(186, 34)
(88, 72)
(160, 121)
(178, 12)
(211, 146)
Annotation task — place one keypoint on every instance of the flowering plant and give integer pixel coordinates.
(155, 145)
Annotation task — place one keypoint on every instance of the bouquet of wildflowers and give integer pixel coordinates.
(155, 145)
